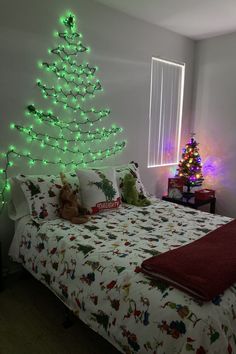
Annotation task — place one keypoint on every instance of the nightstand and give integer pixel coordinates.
(193, 203)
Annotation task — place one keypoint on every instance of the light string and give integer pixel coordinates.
(97, 135)
(68, 76)
(50, 117)
(5, 183)
(67, 36)
(56, 92)
(76, 51)
(77, 82)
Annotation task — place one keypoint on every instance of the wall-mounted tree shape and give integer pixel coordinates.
(68, 134)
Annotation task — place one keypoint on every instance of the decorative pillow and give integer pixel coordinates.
(99, 189)
(17, 205)
(42, 194)
(132, 168)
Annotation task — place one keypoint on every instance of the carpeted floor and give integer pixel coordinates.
(31, 322)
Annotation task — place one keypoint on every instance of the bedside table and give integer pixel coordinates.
(193, 203)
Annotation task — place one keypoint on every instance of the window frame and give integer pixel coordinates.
(182, 65)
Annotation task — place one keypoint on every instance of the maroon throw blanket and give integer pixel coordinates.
(203, 268)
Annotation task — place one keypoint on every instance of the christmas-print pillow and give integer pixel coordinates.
(98, 190)
(42, 194)
(132, 168)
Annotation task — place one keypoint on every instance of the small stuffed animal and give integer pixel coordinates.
(130, 193)
(70, 208)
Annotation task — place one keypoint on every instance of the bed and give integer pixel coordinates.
(95, 270)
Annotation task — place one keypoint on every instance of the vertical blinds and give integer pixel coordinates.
(165, 115)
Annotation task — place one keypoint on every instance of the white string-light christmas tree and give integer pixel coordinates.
(69, 135)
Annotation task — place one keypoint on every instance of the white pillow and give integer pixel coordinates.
(38, 196)
(132, 168)
(121, 170)
(98, 189)
(17, 206)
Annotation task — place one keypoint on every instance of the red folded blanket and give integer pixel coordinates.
(203, 268)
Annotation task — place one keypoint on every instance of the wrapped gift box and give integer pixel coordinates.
(204, 194)
(175, 187)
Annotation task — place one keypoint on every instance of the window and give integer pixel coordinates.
(165, 113)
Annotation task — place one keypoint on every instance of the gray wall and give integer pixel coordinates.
(215, 116)
(122, 48)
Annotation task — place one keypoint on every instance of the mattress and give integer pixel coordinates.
(95, 270)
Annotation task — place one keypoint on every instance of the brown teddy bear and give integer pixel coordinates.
(70, 209)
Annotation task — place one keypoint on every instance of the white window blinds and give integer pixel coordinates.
(165, 114)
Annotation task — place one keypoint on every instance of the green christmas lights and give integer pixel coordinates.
(49, 117)
(99, 134)
(69, 76)
(69, 133)
(58, 93)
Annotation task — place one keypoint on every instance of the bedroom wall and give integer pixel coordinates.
(215, 116)
(122, 47)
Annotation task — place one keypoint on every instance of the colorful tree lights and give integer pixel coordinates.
(190, 167)
(69, 133)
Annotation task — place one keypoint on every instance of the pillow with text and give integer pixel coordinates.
(99, 189)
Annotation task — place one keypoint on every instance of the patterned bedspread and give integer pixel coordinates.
(95, 270)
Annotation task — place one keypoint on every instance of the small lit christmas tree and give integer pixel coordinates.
(190, 167)
(68, 136)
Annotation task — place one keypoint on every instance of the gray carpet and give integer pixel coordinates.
(31, 319)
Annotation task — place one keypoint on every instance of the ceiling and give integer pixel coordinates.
(197, 19)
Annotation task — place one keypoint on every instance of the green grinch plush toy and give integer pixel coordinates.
(130, 193)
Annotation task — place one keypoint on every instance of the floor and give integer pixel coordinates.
(31, 322)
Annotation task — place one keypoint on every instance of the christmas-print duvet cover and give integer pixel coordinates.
(95, 270)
